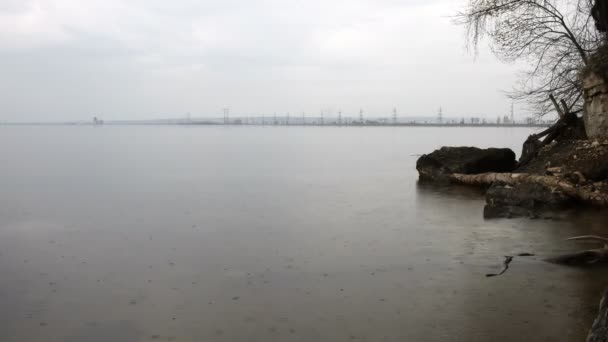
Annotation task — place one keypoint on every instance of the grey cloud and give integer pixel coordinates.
(139, 59)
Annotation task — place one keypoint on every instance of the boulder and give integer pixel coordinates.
(523, 200)
(594, 79)
(599, 329)
(438, 165)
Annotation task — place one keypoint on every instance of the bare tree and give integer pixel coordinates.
(555, 37)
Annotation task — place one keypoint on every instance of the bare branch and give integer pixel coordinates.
(554, 36)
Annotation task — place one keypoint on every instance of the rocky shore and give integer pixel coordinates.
(569, 174)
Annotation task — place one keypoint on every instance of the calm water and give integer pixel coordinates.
(269, 234)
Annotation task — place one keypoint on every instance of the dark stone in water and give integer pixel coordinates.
(440, 164)
(523, 200)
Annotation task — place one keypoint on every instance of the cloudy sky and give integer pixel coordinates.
(137, 59)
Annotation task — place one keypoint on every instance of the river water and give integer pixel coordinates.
(194, 233)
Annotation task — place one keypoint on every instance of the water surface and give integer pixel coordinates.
(171, 233)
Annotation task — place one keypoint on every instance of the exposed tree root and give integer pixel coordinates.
(594, 238)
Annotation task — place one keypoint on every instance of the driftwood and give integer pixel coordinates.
(566, 120)
(505, 267)
(564, 128)
(594, 238)
(585, 194)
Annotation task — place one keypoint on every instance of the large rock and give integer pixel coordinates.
(437, 166)
(595, 112)
(523, 200)
(599, 329)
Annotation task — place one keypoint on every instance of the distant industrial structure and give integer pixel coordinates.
(339, 119)
(324, 119)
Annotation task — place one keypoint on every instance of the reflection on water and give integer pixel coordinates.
(270, 234)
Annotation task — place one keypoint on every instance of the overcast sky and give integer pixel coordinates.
(136, 59)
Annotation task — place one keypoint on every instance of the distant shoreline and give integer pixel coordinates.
(449, 125)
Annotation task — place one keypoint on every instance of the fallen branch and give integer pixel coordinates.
(586, 194)
(505, 267)
(592, 238)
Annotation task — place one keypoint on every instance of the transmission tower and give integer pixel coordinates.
(340, 117)
(440, 115)
(394, 116)
(512, 114)
(226, 116)
(361, 116)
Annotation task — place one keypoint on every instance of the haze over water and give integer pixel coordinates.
(204, 233)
